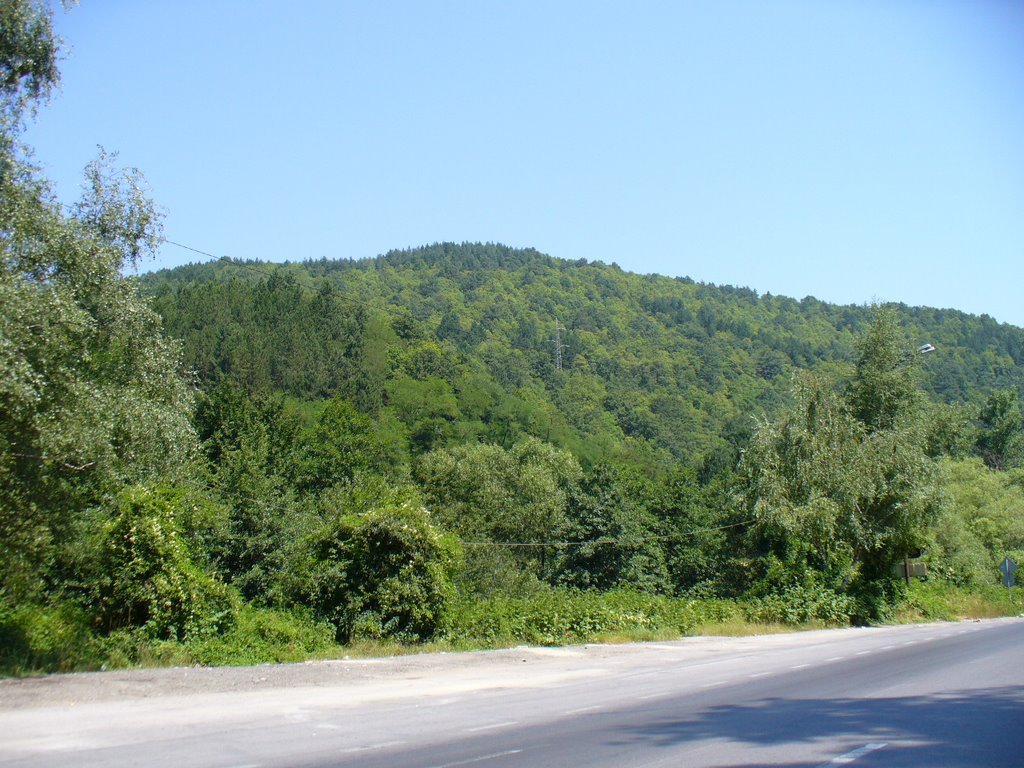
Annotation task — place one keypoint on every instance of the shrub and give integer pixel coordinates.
(939, 601)
(557, 616)
(37, 638)
(790, 593)
(148, 578)
(385, 573)
(261, 636)
(801, 604)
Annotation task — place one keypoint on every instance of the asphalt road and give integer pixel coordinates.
(925, 695)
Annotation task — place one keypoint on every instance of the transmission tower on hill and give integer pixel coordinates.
(558, 344)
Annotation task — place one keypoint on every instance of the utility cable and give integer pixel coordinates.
(640, 540)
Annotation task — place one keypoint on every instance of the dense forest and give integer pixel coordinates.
(485, 342)
(470, 443)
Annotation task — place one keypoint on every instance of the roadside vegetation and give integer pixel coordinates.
(460, 446)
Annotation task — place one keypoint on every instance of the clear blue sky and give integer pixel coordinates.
(853, 151)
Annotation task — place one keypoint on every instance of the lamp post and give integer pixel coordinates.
(922, 350)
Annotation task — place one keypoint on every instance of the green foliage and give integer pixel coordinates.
(955, 553)
(1001, 436)
(560, 616)
(487, 494)
(984, 522)
(386, 572)
(941, 601)
(619, 541)
(794, 596)
(843, 485)
(264, 636)
(91, 393)
(883, 390)
(341, 445)
(949, 430)
(273, 334)
(28, 56)
(149, 579)
(36, 638)
(517, 495)
(691, 519)
(455, 343)
(328, 385)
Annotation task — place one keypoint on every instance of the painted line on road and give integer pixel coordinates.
(887, 647)
(863, 653)
(836, 658)
(801, 666)
(480, 759)
(491, 726)
(580, 710)
(654, 696)
(712, 685)
(911, 642)
(854, 755)
(759, 674)
(370, 747)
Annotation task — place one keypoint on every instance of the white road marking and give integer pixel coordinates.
(369, 747)
(653, 696)
(863, 653)
(581, 709)
(759, 674)
(854, 755)
(887, 647)
(489, 727)
(800, 666)
(836, 658)
(911, 642)
(479, 759)
(712, 685)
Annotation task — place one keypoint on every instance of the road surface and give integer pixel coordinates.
(922, 695)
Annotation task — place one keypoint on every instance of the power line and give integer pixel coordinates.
(641, 540)
(269, 273)
(194, 250)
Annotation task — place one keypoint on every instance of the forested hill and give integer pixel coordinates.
(450, 343)
(472, 444)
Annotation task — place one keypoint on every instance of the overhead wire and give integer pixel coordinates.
(495, 544)
(265, 273)
(620, 541)
(632, 541)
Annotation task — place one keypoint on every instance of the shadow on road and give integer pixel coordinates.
(965, 728)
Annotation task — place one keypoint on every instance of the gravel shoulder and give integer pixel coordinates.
(377, 678)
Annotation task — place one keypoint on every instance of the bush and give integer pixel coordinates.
(36, 639)
(790, 593)
(802, 604)
(558, 616)
(938, 601)
(385, 573)
(262, 636)
(148, 578)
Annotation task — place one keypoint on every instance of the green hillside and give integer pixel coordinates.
(470, 445)
(457, 343)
